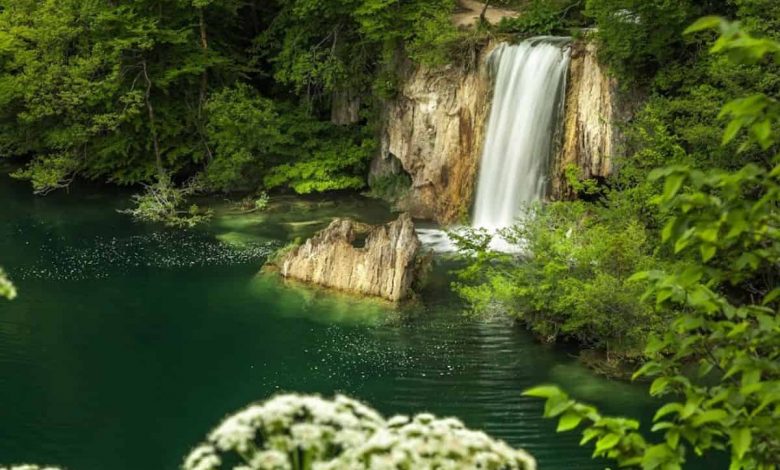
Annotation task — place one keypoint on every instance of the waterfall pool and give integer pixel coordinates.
(129, 342)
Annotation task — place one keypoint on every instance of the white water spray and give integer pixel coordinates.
(530, 80)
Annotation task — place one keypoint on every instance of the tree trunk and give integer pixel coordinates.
(204, 44)
(152, 121)
(204, 84)
(482, 18)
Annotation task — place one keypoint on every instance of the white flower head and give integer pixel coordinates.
(345, 434)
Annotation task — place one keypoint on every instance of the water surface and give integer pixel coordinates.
(128, 342)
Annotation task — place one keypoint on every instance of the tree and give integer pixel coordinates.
(105, 90)
(727, 303)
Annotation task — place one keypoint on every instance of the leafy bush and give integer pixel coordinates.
(538, 18)
(165, 203)
(572, 282)
(727, 303)
(636, 36)
(243, 129)
(309, 433)
(260, 143)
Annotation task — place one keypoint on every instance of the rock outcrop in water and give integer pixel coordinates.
(591, 111)
(434, 130)
(379, 261)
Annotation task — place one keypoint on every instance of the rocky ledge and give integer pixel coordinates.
(379, 260)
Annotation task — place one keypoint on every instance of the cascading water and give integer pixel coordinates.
(530, 81)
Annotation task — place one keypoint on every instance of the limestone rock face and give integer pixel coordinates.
(435, 129)
(591, 111)
(336, 257)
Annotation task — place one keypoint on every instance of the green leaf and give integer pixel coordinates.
(668, 229)
(738, 329)
(707, 22)
(666, 409)
(588, 435)
(709, 234)
(656, 456)
(556, 405)
(655, 344)
(672, 185)
(607, 442)
(673, 438)
(771, 296)
(731, 131)
(763, 133)
(740, 441)
(569, 421)
(661, 425)
(659, 386)
(709, 416)
(647, 368)
(707, 252)
(544, 391)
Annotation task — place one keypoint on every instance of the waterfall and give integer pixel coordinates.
(530, 81)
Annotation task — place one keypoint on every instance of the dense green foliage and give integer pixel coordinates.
(726, 299)
(183, 96)
(256, 140)
(543, 17)
(574, 256)
(680, 90)
(234, 93)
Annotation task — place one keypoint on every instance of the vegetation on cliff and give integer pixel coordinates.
(574, 245)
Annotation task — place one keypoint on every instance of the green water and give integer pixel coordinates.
(128, 342)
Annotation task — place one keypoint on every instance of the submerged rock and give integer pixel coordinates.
(351, 256)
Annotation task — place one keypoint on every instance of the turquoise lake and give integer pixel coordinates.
(129, 342)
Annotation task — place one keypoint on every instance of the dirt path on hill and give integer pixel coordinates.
(469, 11)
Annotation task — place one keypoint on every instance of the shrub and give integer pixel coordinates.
(539, 18)
(572, 280)
(163, 202)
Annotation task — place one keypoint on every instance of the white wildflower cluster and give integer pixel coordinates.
(289, 432)
(292, 432)
(427, 443)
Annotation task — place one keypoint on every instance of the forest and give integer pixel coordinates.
(663, 272)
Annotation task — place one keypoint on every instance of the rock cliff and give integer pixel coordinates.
(380, 261)
(591, 111)
(433, 130)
